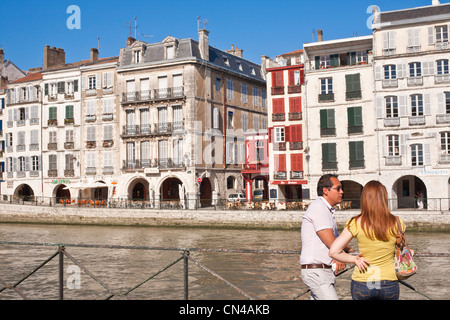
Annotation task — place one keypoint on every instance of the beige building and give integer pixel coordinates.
(185, 108)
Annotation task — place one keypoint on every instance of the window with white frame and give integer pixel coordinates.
(107, 132)
(445, 142)
(52, 137)
(69, 135)
(107, 159)
(230, 92)
(416, 155)
(415, 69)
(390, 72)
(442, 66)
(416, 105)
(92, 80)
(137, 56)
(442, 33)
(21, 164)
(170, 52)
(90, 133)
(279, 134)
(326, 85)
(393, 145)
(391, 107)
(34, 163)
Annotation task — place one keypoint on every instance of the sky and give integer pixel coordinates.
(259, 27)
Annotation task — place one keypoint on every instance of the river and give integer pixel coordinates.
(260, 275)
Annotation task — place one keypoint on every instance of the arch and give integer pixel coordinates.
(409, 192)
(352, 192)
(24, 192)
(138, 189)
(170, 188)
(205, 193)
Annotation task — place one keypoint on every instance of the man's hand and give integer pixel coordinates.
(339, 266)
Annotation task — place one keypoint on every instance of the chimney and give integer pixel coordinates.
(436, 2)
(319, 35)
(3, 81)
(130, 41)
(53, 57)
(236, 52)
(2, 58)
(94, 54)
(203, 40)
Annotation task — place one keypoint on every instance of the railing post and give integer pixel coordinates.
(186, 271)
(61, 273)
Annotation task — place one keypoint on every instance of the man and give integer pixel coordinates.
(318, 232)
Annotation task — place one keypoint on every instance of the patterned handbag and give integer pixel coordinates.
(403, 262)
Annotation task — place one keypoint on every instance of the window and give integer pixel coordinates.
(108, 80)
(296, 162)
(354, 116)
(259, 145)
(137, 56)
(390, 72)
(416, 105)
(255, 97)
(442, 66)
(327, 122)
(353, 85)
(34, 163)
(52, 137)
(280, 162)
(230, 120)
(391, 107)
(263, 99)
(69, 136)
(218, 82)
(393, 145)
(279, 135)
(52, 162)
(108, 159)
(69, 113)
(361, 57)
(445, 142)
(356, 154)
(9, 139)
(107, 133)
(447, 102)
(416, 155)
(329, 156)
(442, 34)
(239, 65)
(69, 161)
(389, 43)
(170, 52)
(244, 122)
(326, 85)
(277, 82)
(243, 93)
(52, 113)
(230, 93)
(216, 118)
(90, 137)
(91, 107)
(92, 80)
(415, 69)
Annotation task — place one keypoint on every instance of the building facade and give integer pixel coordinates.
(412, 95)
(185, 108)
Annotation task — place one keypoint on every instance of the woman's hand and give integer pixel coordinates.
(360, 262)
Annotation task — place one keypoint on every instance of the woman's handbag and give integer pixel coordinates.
(403, 262)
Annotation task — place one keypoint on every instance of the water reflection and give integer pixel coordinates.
(262, 276)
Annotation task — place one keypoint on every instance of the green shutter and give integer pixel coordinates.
(52, 114)
(356, 150)
(75, 86)
(323, 119)
(334, 60)
(46, 89)
(69, 112)
(354, 115)
(317, 58)
(329, 152)
(351, 117)
(352, 82)
(358, 116)
(331, 122)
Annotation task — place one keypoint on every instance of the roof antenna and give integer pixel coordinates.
(145, 36)
(129, 25)
(98, 43)
(204, 22)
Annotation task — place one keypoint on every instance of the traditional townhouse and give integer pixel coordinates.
(412, 94)
(3, 96)
(340, 133)
(185, 106)
(99, 128)
(22, 134)
(286, 128)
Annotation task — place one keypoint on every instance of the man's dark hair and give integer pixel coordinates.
(325, 182)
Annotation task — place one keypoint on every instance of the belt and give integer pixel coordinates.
(316, 266)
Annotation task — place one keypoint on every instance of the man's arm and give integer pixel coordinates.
(327, 236)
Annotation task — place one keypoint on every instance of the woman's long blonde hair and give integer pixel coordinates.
(375, 219)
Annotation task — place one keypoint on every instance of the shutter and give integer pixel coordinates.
(323, 119)
(75, 85)
(402, 106)
(83, 83)
(427, 154)
(331, 121)
(383, 145)
(98, 81)
(46, 89)
(295, 104)
(426, 102)
(27, 163)
(379, 107)
(27, 113)
(358, 116)
(334, 60)
(60, 87)
(386, 40)
(441, 103)
(278, 105)
(296, 162)
(351, 117)
(317, 61)
(281, 162)
(403, 142)
(430, 36)
(296, 133)
(378, 73)
(291, 77)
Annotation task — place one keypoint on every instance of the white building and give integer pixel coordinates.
(412, 94)
(22, 133)
(340, 132)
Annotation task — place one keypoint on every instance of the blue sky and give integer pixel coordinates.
(259, 27)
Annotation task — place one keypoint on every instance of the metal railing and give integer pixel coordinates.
(405, 203)
(185, 256)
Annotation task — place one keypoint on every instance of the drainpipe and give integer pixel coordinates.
(224, 124)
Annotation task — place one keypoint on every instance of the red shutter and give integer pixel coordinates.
(302, 76)
(278, 105)
(295, 104)
(291, 77)
(280, 162)
(296, 162)
(287, 134)
(271, 133)
(296, 134)
(250, 148)
(277, 79)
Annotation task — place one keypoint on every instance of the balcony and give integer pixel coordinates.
(156, 94)
(415, 81)
(441, 45)
(166, 128)
(356, 164)
(355, 130)
(295, 116)
(255, 167)
(52, 173)
(413, 49)
(68, 145)
(277, 90)
(34, 147)
(91, 170)
(69, 173)
(392, 122)
(390, 83)
(161, 163)
(295, 89)
(91, 144)
(279, 146)
(416, 120)
(296, 175)
(90, 118)
(52, 123)
(444, 158)
(298, 145)
(329, 165)
(20, 147)
(69, 121)
(443, 118)
(280, 175)
(278, 116)
(442, 78)
(326, 97)
(108, 143)
(52, 146)
(393, 160)
(353, 95)
(107, 117)
(327, 132)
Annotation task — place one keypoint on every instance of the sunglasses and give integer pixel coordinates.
(339, 188)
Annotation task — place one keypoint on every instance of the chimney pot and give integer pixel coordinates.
(94, 54)
(203, 36)
(319, 35)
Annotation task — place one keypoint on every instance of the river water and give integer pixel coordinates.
(259, 275)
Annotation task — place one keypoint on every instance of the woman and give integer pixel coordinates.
(376, 230)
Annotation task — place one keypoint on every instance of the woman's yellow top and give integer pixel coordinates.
(380, 254)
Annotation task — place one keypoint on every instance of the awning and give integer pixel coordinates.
(82, 186)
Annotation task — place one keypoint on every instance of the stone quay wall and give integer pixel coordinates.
(418, 220)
